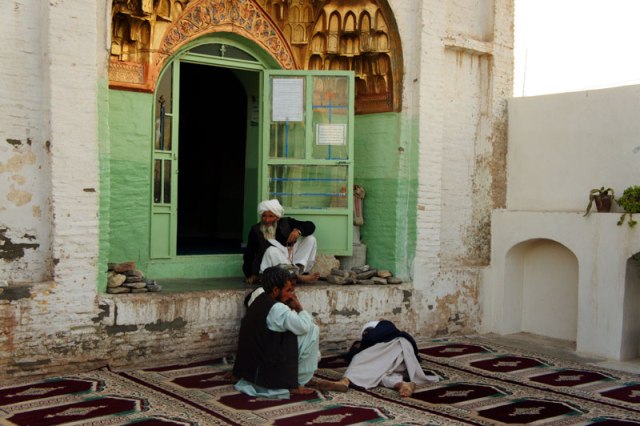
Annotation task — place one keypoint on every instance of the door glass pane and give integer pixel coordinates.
(309, 187)
(157, 181)
(287, 128)
(167, 181)
(162, 140)
(287, 140)
(330, 118)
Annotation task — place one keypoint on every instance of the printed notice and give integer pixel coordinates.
(287, 99)
(331, 134)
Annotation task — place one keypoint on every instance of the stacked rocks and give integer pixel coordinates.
(362, 275)
(125, 278)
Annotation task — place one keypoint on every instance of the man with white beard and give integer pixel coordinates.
(279, 241)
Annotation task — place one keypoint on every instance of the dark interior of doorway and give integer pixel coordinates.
(211, 158)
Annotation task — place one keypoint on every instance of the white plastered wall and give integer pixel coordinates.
(560, 147)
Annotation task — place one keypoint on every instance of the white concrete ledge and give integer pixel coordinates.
(607, 280)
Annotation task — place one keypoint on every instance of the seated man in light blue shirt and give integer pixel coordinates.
(278, 342)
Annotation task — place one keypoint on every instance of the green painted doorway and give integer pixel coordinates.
(205, 160)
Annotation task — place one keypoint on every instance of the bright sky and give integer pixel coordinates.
(573, 45)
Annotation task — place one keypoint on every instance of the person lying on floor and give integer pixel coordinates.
(278, 345)
(385, 356)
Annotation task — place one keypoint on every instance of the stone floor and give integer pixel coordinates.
(561, 349)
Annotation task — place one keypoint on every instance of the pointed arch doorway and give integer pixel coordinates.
(205, 158)
(232, 129)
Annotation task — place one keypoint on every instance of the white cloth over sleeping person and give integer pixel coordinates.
(303, 252)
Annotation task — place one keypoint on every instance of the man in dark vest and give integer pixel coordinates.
(278, 342)
(278, 240)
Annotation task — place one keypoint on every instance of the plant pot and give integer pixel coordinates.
(603, 203)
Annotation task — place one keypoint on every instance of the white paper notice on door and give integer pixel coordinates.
(287, 99)
(331, 134)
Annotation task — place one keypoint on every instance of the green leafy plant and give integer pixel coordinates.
(630, 202)
(602, 197)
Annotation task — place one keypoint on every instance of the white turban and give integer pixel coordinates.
(272, 206)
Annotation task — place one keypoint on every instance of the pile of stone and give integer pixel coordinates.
(362, 275)
(125, 278)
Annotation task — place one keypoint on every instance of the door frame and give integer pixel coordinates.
(166, 262)
(334, 224)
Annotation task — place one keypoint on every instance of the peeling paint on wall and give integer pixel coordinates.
(176, 324)
(10, 250)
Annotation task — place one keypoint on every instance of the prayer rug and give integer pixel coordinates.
(483, 383)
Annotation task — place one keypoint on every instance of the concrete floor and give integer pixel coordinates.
(560, 349)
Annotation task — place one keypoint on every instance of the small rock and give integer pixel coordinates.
(394, 280)
(140, 284)
(116, 280)
(383, 273)
(117, 290)
(378, 280)
(365, 282)
(134, 273)
(339, 272)
(154, 287)
(125, 266)
(335, 279)
(139, 290)
(134, 279)
(360, 269)
(366, 275)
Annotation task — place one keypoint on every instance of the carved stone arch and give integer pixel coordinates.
(164, 10)
(292, 33)
(318, 45)
(321, 24)
(210, 16)
(316, 62)
(365, 21)
(335, 22)
(307, 14)
(380, 23)
(350, 24)
(295, 14)
(200, 17)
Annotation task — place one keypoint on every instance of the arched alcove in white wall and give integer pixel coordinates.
(631, 314)
(541, 289)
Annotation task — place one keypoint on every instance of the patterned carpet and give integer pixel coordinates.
(484, 384)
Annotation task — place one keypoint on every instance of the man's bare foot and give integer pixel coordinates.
(337, 386)
(309, 278)
(302, 391)
(406, 389)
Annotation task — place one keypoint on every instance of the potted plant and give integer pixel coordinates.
(603, 198)
(630, 202)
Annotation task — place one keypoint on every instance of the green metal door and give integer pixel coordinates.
(308, 151)
(165, 163)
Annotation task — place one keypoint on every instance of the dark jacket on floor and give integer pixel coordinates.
(385, 331)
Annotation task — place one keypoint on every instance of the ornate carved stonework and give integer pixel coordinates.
(358, 35)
